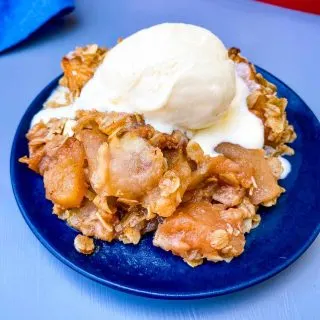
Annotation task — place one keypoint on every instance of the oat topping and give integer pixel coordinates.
(84, 244)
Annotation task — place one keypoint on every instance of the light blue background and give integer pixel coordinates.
(33, 284)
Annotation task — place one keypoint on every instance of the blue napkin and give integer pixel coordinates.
(20, 18)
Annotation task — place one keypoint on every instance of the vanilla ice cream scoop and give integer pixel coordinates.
(178, 76)
(173, 73)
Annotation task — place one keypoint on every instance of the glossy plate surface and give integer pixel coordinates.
(285, 232)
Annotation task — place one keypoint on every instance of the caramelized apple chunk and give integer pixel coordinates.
(266, 187)
(221, 167)
(135, 166)
(92, 141)
(128, 167)
(202, 230)
(64, 177)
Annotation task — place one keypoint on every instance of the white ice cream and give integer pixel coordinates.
(238, 125)
(178, 76)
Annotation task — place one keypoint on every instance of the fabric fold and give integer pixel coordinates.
(21, 18)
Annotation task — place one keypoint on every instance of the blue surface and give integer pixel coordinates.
(286, 231)
(20, 18)
(33, 283)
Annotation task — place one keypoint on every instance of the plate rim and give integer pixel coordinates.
(140, 292)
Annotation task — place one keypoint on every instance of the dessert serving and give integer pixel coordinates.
(167, 132)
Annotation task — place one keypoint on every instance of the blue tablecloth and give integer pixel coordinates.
(21, 18)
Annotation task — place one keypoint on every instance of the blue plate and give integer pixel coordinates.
(286, 231)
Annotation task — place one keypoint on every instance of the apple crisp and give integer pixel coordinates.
(112, 177)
